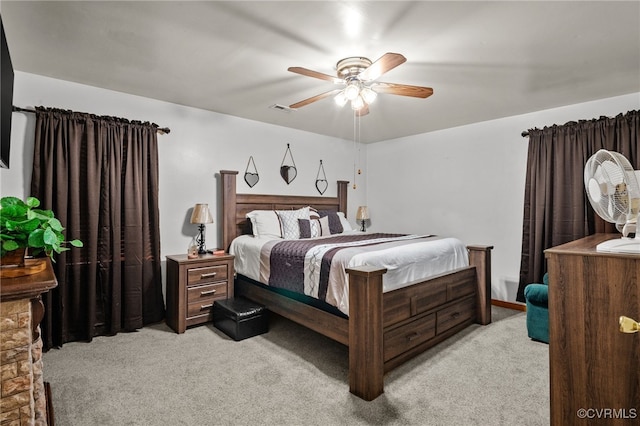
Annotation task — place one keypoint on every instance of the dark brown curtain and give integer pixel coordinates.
(100, 177)
(556, 208)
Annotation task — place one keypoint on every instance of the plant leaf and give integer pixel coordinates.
(13, 211)
(10, 201)
(42, 214)
(29, 225)
(36, 238)
(50, 237)
(76, 243)
(9, 245)
(55, 224)
(33, 202)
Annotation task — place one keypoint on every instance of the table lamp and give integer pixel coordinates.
(200, 216)
(362, 215)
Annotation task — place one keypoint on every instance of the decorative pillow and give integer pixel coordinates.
(335, 225)
(265, 223)
(325, 229)
(315, 227)
(289, 222)
(313, 213)
(305, 228)
(346, 225)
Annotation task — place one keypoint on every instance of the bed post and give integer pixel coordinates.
(480, 257)
(366, 352)
(228, 206)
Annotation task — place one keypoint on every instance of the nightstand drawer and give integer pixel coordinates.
(201, 307)
(206, 274)
(209, 291)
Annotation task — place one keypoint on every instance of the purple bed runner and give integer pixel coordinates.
(288, 259)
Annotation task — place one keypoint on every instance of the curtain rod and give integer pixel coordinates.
(525, 134)
(162, 130)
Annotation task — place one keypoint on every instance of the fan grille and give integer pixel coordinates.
(612, 187)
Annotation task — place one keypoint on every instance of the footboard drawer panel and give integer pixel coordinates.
(463, 285)
(405, 337)
(455, 314)
(404, 303)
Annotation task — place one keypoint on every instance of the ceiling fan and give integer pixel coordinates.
(358, 75)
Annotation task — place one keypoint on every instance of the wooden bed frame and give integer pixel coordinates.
(383, 329)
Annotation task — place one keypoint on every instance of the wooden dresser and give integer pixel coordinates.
(594, 368)
(193, 285)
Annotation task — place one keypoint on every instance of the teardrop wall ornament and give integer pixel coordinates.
(288, 171)
(321, 180)
(251, 178)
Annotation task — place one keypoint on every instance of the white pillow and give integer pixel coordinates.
(265, 223)
(315, 227)
(324, 226)
(346, 226)
(289, 226)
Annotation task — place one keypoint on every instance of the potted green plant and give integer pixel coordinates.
(24, 226)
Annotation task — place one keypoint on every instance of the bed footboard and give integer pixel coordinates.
(387, 329)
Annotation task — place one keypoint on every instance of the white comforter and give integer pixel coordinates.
(413, 259)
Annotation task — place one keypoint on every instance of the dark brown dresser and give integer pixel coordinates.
(594, 368)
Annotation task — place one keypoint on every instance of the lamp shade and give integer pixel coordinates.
(201, 214)
(363, 213)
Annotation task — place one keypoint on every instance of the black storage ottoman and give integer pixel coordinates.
(240, 318)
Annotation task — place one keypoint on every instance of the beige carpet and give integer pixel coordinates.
(492, 375)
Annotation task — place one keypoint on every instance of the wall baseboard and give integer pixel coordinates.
(509, 305)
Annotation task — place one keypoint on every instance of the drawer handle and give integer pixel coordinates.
(203, 307)
(628, 325)
(413, 336)
(209, 275)
(455, 315)
(205, 293)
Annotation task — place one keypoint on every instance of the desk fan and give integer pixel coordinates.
(613, 189)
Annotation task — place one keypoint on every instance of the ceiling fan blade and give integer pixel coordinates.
(362, 111)
(315, 74)
(403, 89)
(314, 98)
(385, 63)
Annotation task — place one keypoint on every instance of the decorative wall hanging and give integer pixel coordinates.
(249, 177)
(288, 171)
(321, 183)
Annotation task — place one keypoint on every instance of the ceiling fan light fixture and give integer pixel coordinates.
(368, 95)
(357, 103)
(340, 99)
(352, 91)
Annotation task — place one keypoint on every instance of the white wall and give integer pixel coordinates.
(200, 144)
(468, 182)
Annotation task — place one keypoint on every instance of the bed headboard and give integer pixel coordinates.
(235, 206)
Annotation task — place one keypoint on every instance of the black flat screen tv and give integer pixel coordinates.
(6, 101)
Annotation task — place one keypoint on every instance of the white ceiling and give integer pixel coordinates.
(484, 60)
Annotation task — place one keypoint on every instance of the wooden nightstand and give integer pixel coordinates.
(193, 285)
